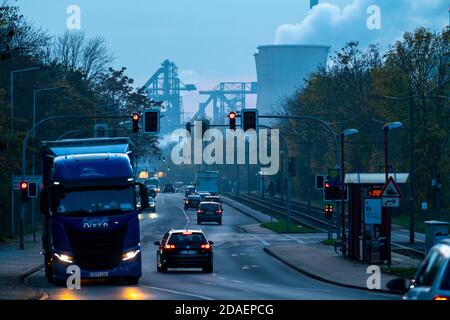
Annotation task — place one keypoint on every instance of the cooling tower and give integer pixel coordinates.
(281, 70)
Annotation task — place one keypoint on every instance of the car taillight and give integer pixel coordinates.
(199, 211)
(205, 246)
(441, 298)
(169, 246)
(218, 211)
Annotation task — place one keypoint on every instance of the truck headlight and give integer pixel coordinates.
(130, 255)
(64, 258)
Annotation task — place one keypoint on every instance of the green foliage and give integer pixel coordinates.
(365, 89)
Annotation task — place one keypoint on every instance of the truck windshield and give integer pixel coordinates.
(94, 202)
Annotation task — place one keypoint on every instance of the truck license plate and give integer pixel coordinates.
(98, 274)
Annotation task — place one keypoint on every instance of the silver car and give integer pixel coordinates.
(432, 279)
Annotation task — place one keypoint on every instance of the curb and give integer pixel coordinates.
(40, 294)
(316, 277)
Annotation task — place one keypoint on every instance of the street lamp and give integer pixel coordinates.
(386, 128)
(35, 94)
(11, 93)
(344, 134)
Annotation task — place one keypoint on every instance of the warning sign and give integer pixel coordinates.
(391, 189)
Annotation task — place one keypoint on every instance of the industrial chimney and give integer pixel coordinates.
(282, 69)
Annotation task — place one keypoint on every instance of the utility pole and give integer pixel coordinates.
(412, 178)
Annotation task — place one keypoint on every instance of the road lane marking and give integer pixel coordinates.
(179, 292)
(294, 238)
(264, 242)
(238, 281)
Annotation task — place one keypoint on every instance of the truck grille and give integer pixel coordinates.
(98, 250)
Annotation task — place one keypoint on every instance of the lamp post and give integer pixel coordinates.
(11, 96)
(344, 134)
(33, 172)
(388, 127)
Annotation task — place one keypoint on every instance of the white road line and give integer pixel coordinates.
(188, 220)
(294, 238)
(264, 242)
(179, 292)
(237, 281)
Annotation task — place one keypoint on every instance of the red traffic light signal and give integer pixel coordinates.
(332, 192)
(135, 118)
(23, 185)
(23, 190)
(232, 117)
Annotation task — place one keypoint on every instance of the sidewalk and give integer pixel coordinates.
(16, 264)
(323, 263)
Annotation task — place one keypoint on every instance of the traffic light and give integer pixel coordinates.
(329, 211)
(135, 118)
(331, 191)
(188, 127)
(23, 190)
(249, 119)
(32, 190)
(151, 121)
(232, 117)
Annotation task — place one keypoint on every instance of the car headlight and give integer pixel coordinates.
(152, 204)
(64, 258)
(130, 255)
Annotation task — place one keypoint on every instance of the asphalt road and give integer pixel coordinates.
(242, 270)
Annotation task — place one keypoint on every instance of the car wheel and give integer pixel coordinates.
(220, 222)
(163, 268)
(208, 268)
(199, 221)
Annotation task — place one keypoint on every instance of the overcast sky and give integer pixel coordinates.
(214, 40)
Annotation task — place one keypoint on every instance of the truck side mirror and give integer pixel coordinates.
(143, 194)
(44, 202)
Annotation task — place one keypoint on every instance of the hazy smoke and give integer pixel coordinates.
(329, 24)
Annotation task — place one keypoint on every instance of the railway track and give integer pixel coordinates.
(300, 213)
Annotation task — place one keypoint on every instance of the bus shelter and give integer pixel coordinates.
(368, 221)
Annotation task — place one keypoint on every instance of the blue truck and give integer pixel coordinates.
(89, 200)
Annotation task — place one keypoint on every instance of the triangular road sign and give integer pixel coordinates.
(391, 189)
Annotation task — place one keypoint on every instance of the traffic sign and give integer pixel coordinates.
(393, 202)
(372, 211)
(18, 179)
(391, 189)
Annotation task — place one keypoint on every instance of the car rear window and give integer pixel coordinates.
(209, 206)
(212, 199)
(194, 197)
(193, 238)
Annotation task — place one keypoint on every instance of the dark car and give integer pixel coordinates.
(209, 212)
(152, 192)
(168, 187)
(151, 204)
(204, 194)
(215, 199)
(192, 201)
(189, 190)
(184, 249)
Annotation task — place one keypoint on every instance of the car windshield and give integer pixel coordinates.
(445, 285)
(187, 238)
(209, 206)
(94, 202)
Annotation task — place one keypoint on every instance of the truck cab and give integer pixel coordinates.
(89, 201)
